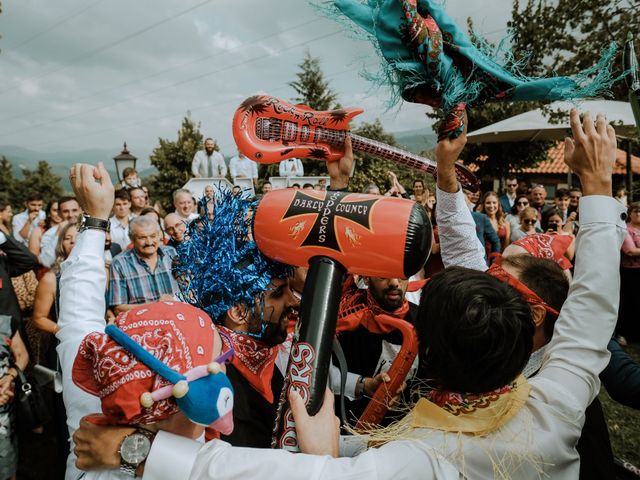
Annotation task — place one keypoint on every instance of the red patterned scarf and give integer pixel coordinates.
(358, 307)
(253, 359)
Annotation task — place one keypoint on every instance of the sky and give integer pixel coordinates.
(82, 74)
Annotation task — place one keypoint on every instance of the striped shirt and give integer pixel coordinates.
(133, 282)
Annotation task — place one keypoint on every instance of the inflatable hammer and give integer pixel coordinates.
(333, 233)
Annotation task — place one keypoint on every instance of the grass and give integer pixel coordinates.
(623, 422)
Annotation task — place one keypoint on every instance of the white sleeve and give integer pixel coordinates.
(217, 460)
(82, 306)
(195, 164)
(48, 247)
(254, 169)
(459, 244)
(17, 223)
(577, 353)
(299, 168)
(222, 164)
(335, 381)
(282, 168)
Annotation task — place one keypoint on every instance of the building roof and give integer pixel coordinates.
(555, 165)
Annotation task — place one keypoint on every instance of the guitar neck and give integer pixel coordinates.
(382, 150)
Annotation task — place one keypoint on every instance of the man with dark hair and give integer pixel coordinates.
(562, 202)
(119, 222)
(266, 187)
(24, 223)
(70, 211)
(508, 198)
(208, 163)
(479, 418)
(575, 194)
(139, 199)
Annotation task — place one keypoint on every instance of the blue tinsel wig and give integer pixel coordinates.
(218, 265)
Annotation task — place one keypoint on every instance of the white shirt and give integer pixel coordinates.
(82, 306)
(19, 221)
(292, 167)
(241, 166)
(538, 442)
(48, 246)
(201, 163)
(119, 232)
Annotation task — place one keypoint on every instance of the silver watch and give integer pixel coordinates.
(134, 450)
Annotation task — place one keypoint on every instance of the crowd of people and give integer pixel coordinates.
(527, 339)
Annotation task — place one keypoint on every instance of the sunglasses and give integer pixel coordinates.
(522, 203)
(529, 222)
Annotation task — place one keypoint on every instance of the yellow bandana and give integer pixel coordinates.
(477, 414)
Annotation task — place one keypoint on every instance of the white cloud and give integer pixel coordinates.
(30, 88)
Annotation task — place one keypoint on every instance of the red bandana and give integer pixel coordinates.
(358, 307)
(179, 335)
(543, 245)
(253, 359)
(529, 295)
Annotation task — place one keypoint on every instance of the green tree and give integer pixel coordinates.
(550, 37)
(41, 179)
(8, 183)
(173, 159)
(312, 89)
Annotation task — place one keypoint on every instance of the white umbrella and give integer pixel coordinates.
(535, 125)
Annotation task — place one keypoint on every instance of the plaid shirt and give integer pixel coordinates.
(133, 282)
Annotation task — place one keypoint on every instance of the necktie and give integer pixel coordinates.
(210, 164)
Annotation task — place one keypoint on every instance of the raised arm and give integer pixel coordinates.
(459, 244)
(82, 302)
(578, 352)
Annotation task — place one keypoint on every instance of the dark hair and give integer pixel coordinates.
(128, 171)
(295, 185)
(307, 185)
(511, 177)
(633, 207)
(34, 197)
(47, 211)
(514, 209)
(475, 332)
(546, 278)
(562, 193)
(417, 180)
(65, 199)
(122, 194)
(544, 221)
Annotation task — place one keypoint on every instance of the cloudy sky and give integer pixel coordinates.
(77, 74)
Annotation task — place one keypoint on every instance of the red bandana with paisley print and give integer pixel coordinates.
(253, 359)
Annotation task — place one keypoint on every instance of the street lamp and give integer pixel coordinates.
(124, 160)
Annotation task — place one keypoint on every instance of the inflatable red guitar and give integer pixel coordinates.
(269, 130)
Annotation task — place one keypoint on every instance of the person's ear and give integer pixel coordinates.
(538, 314)
(238, 314)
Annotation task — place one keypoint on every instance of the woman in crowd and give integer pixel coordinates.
(528, 219)
(490, 206)
(6, 214)
(552, 221)
(513, 217)
(419, 191)
(45, 318)
(53, 218)
(628, 317)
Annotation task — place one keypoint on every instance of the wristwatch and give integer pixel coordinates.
(87, 222)
(134, 450)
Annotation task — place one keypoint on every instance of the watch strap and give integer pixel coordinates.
(94, 223)
(127, 468)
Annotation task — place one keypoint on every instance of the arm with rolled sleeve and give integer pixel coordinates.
(577, 353)
(82, 307)
(459, 244)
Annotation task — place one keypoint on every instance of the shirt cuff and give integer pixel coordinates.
(171, 457)
(3, 238)
(602, 209)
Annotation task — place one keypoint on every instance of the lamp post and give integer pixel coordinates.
(124, 160)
